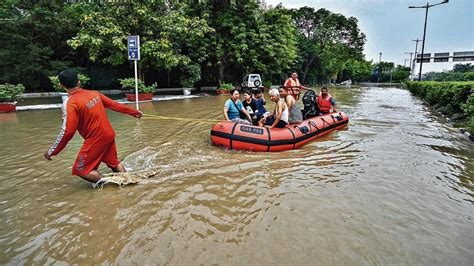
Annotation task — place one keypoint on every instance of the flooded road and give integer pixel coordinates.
(395, 187)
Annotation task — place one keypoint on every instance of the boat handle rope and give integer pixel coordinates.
(325, 121)
(311, 123)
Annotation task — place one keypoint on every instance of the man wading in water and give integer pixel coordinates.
(84, 111)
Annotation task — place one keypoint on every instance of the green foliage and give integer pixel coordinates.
(129, 84)
(32, 45)
(326, 41)
(226, 86)
(247, 38)
(11, 93)
(462, 68)
(169, 38)
(197, 40)
(267, 84)
(386, 72)
(455, 99)
(191, 74)
(83, 78)
(460, 72)
(356, 70)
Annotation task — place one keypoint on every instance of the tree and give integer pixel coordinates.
(356, 70)
(326, 40)
(33, 27)
(169, 37)
(463, 68)
(247, 38)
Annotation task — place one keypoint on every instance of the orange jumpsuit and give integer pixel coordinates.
(84, 111)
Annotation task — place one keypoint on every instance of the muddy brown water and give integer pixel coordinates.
(396, 187)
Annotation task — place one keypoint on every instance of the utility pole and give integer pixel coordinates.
(424, 30)
(411, 54)
(414, 60)
(380, 60)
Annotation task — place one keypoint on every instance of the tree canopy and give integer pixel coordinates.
(205, 41)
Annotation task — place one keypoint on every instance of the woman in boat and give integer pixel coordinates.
(234, 110)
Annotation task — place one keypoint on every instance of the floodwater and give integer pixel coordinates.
(395, 187)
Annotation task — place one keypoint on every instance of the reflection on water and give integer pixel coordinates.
(395, 187)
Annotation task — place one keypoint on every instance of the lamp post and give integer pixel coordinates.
(414, 60)
(424, 31)
(380, 60)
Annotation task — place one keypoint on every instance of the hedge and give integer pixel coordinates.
(454, 99)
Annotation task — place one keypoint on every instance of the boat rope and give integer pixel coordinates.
(160, 117)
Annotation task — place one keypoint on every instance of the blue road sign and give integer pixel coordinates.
(133, 47)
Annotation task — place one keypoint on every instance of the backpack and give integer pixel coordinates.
(310, 106)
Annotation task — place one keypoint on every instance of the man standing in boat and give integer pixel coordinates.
(325, 101)
(84, 111)
(294, 86)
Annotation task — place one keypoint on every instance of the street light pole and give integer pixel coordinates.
(380, 60)
(414, 60)
(424, 31)
(409, 62)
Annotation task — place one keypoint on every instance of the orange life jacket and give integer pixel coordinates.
(293, 87)
(324, 104)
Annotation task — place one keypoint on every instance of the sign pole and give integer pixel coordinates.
(133, 43)
(136, 84)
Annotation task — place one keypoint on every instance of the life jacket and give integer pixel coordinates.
(293, 87)
(324, 104)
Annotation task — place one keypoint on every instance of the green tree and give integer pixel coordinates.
(169, 37)
(247, 38)
(326, 40)
(32, 43)
(356, 70)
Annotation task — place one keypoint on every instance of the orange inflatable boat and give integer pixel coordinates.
(255, 138)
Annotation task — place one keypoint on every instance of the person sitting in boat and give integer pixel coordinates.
(250, 104)
(325, 102)
(279, 117)
(260, 100)
(234, 111)
(295, 115)
(294, 86)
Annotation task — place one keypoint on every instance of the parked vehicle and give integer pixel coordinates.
(252, 81)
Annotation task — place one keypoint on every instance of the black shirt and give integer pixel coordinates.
(250, 107)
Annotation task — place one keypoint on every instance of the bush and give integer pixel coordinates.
(11, 93)
(226, 86)
(267, 84)
(129, 84)
(83, 78)
(191, 74)
(455, 99)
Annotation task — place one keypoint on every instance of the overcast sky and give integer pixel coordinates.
(391, 26)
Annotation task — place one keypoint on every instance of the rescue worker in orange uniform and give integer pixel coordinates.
(84, 111)
(294, 86)
(325, 102)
